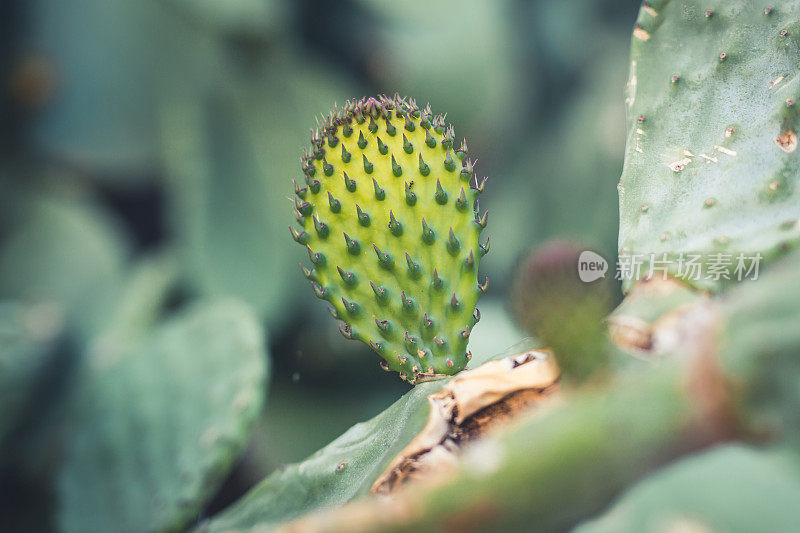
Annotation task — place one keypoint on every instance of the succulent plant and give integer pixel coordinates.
(548, 293)
(389, 216)
(710, 164)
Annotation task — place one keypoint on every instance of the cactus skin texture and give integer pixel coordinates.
(388, 210)
(711, 162)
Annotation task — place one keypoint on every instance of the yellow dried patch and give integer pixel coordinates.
(787, 141)
(474, 403)
(641, 34)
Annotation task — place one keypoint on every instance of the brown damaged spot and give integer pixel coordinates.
(715, 417)
(651, 338)
(787, 141)
(471, 405)
(631, 333)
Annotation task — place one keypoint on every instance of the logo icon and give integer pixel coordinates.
(591, 266)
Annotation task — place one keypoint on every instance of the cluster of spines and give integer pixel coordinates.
(340, 122)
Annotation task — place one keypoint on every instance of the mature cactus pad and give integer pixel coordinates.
(388, 209)
(713, 99)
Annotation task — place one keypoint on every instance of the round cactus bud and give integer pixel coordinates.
(551, 302)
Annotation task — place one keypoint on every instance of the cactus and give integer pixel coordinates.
(710, 161)
(713, 386)
(154, 427)
(239, 187)
(68, 252)
(28, 338)
(341, 471)
(388, 210)
(730, 488)
(548, 293)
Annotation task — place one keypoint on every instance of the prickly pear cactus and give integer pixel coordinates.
(388, 214)
(713, 99)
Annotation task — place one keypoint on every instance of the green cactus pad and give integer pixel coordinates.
(154, 429)
(711, 162)
(28, 343)
(730, 488)
(388, 209)
(344, 469)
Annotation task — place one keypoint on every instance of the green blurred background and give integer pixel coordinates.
(159, 139)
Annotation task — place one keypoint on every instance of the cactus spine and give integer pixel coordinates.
(389, 217)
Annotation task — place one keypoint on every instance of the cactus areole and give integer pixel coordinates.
(388, 213)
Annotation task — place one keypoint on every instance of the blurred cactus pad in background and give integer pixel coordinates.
(164, 365)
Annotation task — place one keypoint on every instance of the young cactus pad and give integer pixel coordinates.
(389, 216)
